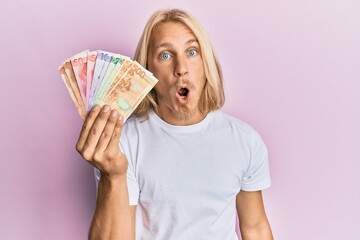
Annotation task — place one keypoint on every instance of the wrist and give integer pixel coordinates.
(112, 178)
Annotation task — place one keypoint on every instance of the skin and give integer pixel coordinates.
(98, 144)
(254, 224)
(175, 59)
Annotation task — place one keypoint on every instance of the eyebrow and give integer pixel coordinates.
(167, 45)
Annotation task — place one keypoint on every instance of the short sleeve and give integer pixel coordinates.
(131, 180)
(257, 176)
(97, 178)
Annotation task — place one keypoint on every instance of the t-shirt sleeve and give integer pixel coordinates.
(131, 180)
(97, 178)
(257, 176)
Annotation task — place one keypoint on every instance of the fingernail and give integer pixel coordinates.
(120, 118)
(113, 113)
(106, 108)
(95, 108)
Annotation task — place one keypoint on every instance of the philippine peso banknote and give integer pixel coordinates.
(90, 72)
(120, 73)
(103, 59)
(100, 77)
(130, 90)
(79, 64)
(68, 77)
(116, 62)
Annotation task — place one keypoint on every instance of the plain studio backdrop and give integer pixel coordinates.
(292, 71)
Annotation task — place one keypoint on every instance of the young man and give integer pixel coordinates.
(183, 169)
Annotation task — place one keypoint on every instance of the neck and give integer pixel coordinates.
(181, 119)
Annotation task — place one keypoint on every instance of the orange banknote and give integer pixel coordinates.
(101, 77)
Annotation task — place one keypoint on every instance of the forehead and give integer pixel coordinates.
(170, 32)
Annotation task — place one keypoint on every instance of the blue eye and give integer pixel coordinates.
(192, 52)
(165, 56)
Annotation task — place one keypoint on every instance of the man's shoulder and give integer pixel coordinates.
(135, 125)
(234, 127)
(226, 120)
(135, 120)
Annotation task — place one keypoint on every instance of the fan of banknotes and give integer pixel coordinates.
(100, 77)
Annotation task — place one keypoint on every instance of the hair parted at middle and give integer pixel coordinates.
(213, 97)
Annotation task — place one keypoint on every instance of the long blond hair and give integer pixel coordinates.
(213, 94)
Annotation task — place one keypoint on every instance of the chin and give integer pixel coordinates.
(184, 113)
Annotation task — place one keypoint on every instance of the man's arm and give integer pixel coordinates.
(114, 218)
(254, 224)
(98, 144)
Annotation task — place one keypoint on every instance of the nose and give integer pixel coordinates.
(181, 68)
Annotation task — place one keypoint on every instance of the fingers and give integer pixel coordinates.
(89, 121)
(114, 141)
(98, 143)
(101, 131)
(95, 133)
(92, 135)
(108, 131)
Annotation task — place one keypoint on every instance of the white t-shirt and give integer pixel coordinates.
(184, 179)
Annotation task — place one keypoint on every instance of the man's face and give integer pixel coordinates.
(175, 60)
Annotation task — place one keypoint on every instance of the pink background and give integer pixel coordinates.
(292, 71)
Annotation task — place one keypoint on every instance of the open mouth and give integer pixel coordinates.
(183, 92)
